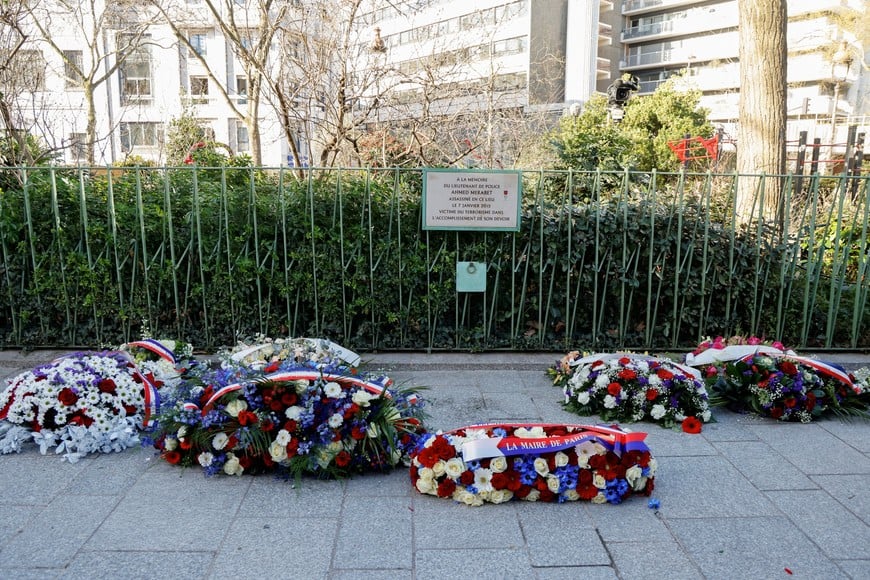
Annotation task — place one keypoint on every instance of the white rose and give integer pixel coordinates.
(534, 495)
(362, 398)
(632, 474)
(583, 397)
(335, 420)
(561, 459)
(599, 481)
(466, 497)
(426, 473)
(219, 441)
(235, 407)
(653, 466)
(278, 451)
(657, 412)
(600, 498)
(440, 468)
(553, 484)
(571, 495)
(454, 467)
(170, 444)
(500, 495)
(541, 466)
(426, 486)
(332, 390)
(205, 458)
(232, 466)
(498, 464)
(293, 413)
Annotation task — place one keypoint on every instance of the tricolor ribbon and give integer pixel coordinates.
(614, 439)
(827, 369)
(605, 357)
(288, 376)
(156, 347)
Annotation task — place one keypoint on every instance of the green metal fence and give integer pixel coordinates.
(97, 256)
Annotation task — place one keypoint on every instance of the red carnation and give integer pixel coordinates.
(107, 386)
(446, 488)
(246, 461)
(67, 397)
(665, 374)
(776, 412)
(173, 457)
(342, 459)
(790, 402)
(624, 360)
(627, 374)
(293, 447)
(357, 433)
(427, 457)
(614, 389)
(290, 426)
(247, 418)
(289, 399)
(185, 444)
(691, 425)
(587, 491)
(651, 394)
(271, 368)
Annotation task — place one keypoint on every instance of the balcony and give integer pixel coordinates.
(632, 7)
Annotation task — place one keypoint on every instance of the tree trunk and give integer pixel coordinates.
(762, 113)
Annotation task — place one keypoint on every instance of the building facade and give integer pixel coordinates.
(828, 86)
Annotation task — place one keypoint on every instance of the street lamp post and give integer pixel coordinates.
(841, 61)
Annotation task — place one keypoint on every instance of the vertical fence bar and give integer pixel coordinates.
(140, 211)
(650, 321)
(113, 228)
(197, 213)
(861, 277)
(170, 228)
(58, 235)
(313, 253)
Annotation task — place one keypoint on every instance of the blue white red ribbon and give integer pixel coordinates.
(828, 369)
(301, 375)
(156, 347)
(612, 438)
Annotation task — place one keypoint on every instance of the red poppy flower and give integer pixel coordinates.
(691, 425)
(172, 457)
(185, 444)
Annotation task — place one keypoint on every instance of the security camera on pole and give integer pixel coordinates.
(618, 94)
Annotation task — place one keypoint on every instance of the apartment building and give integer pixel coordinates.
(828, 84)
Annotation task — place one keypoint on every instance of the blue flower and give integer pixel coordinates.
(653, 504)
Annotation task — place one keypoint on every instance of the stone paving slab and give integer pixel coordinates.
(747, 498)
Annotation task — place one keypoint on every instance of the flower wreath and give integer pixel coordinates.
(788, 387)
(81, 403)
(631, 387)
(718, 351)
(298, 419)
(497, 462)
(266, 351)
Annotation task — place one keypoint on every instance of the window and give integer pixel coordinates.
(197, 42)
(243, 143)
(199, 89)
(78, 146)
(72, 67)
(136, 76)
(141, 135)
(242, 90)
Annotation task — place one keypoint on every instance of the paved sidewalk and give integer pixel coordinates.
(747, 498)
